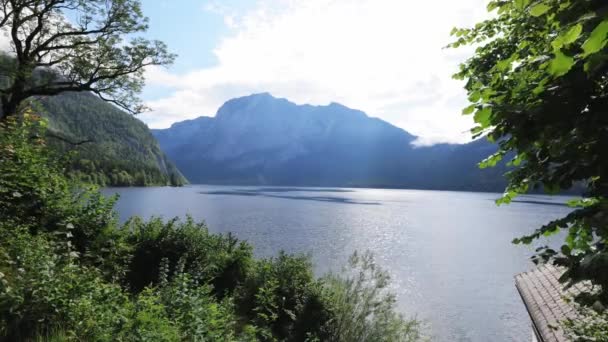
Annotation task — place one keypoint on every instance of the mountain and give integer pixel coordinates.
(263, 140)
(122, 151)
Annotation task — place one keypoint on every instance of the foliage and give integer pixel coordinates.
(35, 193)
(591, 326)
(538, 86)
(44, 286)
(282, 296)
(99, 50)
(217, 259)
(363, 309)
(27, 191)
(199, 315)
(70, 272)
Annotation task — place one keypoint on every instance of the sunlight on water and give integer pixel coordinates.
(449, 253)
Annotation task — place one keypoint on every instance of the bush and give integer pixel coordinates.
(149, 320)
(196, 312)
(44, 288)
(221, 260)
(361, 306)
(280, 295)
(590, 325)
(35, 193)
(29, 194)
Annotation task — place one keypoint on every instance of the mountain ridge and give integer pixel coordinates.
(262, 140)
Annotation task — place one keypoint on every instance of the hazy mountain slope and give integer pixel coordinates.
(260, 139)
(123, 151)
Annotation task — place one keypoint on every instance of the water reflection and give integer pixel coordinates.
(274, 193)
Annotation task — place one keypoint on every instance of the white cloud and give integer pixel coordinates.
(5, 42)
(384, 57)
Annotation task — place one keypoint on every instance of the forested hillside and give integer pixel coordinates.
(108, 146)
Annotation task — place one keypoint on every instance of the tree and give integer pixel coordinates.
(538, 86)
(76, 45)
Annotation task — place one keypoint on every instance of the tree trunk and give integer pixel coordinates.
(11, 101)
(9, 108)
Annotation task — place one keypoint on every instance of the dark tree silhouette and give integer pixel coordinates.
(76, 45)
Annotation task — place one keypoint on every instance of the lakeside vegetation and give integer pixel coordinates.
(69, 271)
(538, 87)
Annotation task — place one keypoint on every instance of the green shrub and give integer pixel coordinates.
(30, 194)
(44, 288)
(35, 193)
(280, 296)
(362, 308)
(590, 325)
(149, 321)
(196, 312)
(220, 260)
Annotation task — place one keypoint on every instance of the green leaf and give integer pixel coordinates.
(597, 39)
(564, 5)
(521, 4)
(487, 93)
(517, 160)
(561, 64)
(475, 96)
(491, 161)
(468, 110)
(504, 65)
(540, 87)
(492, 6)
(507, 197)
(572, 34)
(570, 240)
(482, 116)
(550, 232)
(567, 37)
(540, 9)
(477, 131)
(582, 202)
(504, 7)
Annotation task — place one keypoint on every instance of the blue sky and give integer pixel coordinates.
(192, 28)
(384, 57)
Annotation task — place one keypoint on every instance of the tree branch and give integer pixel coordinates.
(86, 56)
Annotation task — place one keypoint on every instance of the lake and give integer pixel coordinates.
(449, 253)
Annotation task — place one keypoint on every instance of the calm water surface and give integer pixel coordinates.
(449, 253)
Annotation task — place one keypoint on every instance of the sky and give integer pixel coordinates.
(385, 57)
